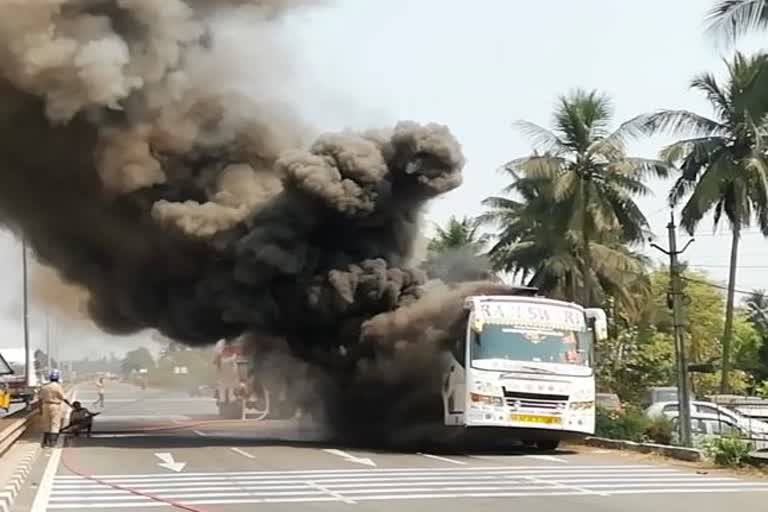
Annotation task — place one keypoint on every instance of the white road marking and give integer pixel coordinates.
(336, 495)
(121, 436)
(372, 481)
(46, 483)
(243, 453)
(198, 433)
(372, 476)
(444, 459)
(392, 497)
(548, 458)
(169, 463)
(350, 458)
(376, 484)
(599, 469)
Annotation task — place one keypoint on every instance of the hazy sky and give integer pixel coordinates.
(477, 66)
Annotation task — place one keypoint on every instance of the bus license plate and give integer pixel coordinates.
(533, 418)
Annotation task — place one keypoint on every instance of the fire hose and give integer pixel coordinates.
(68, 462)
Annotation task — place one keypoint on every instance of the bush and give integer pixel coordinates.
(727, 451)
(628, 426)
(633, 425)
(660, 430)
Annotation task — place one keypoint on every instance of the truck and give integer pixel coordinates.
(244, 391)
(5, 394)
(522, 368)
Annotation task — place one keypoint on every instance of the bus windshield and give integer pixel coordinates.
(531, 345)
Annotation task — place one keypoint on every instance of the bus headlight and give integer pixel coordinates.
(495, 401)
(582, 405)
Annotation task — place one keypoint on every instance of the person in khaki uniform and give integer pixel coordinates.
(52, 402)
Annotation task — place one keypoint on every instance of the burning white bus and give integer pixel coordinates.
(525, 363)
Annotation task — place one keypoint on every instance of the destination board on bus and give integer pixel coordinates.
(535, 314)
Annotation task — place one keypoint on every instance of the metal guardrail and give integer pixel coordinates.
(14, 425)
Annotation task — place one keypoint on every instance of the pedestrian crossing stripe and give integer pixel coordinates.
(380, 484)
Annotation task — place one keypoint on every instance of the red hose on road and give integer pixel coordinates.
(72, 469)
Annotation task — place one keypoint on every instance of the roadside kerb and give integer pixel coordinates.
(10, 490)
(16, 427)
(673, 452)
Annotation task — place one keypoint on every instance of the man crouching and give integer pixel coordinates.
(80, 420)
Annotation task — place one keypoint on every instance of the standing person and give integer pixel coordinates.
(52, 401)
(100, 391)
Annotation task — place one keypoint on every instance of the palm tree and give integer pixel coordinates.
(456, 252)
(593, 179)
(756, 304)
(735, 18)
(722, 160)
(457, 234)
(537, 244)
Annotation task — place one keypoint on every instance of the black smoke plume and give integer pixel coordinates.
(182, 206)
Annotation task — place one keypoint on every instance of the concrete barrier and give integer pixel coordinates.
(673, 452)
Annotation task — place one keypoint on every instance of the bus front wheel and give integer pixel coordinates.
(548, 445)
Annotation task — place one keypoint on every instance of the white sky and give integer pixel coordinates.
(477, 66)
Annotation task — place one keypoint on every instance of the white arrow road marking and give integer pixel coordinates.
(169, 463)
(243, 453)
(351, 458)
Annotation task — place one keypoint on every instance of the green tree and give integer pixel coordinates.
(592, 176)
(702, 313)
(722, 160)
(137, 359)
(458, 233)
(756, 311)
(747, 342)
(634, 359)
(457, 252)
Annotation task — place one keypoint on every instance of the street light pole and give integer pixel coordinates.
(683, 394)
(28, 362)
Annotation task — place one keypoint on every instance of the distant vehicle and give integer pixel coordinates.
(239, 389)
(659, 394)
(608, 402)
(19, 391)
(5, 395)
(711, 410)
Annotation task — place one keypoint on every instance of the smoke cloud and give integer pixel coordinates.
(183, 205)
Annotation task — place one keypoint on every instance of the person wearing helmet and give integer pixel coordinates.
(52, 399)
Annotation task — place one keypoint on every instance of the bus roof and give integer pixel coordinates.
(475, 299)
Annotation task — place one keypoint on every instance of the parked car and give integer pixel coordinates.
(709, 426)
(711, 410)
(750, 406)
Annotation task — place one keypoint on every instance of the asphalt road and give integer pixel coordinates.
(135, 462)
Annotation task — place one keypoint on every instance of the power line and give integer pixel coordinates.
(728, 233)
(697, 265)
(714, 285)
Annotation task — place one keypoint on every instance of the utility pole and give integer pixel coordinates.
(48, 342)
(28, 362)
(683, 394)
